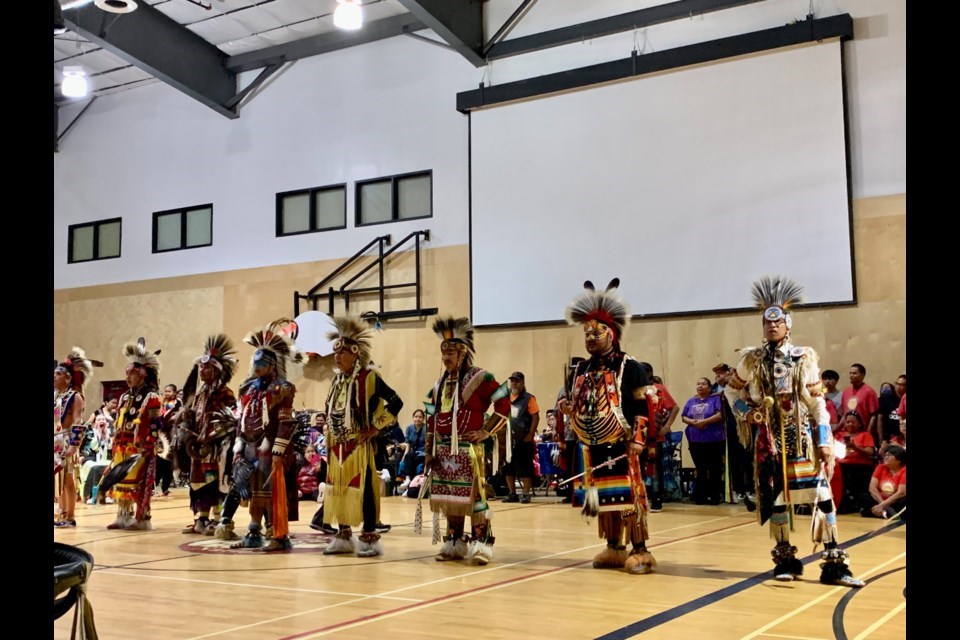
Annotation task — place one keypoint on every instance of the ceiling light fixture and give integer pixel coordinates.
(74, 82)
(348, 15)
(116, 6)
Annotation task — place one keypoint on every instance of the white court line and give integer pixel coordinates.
(254, 586)
(826, 595)
(456, 577)
(777, 635)
(494, 587)
(879, 623)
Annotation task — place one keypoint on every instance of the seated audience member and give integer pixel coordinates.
(887, 494)
(308, 480)
(856, 465)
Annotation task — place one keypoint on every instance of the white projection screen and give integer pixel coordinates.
(687, 185)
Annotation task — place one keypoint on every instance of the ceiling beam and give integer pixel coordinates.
(809, 30)
(458, 22)
(608, 26)
(324, 43)
(149, 40)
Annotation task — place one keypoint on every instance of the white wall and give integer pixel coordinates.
(360, 113)
(386, 108)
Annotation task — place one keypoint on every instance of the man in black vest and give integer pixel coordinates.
(524, 420)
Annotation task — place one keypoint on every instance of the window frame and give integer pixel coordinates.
(311, 199)
(394, 200)
(96, 224)
(183, 211)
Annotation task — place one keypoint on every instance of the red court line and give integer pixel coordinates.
(486, 587)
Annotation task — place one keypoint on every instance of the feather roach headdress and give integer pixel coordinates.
(218, 350)
(606, 307)
(274, 345)
(353, 334)
(137, 354)
(775, 295)
(456, 331)
(79, 367)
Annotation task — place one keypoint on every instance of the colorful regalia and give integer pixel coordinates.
(136, 433)
(69, 377)
(264, 474)
(776, 396)
(456, 430)
(207, 428)
(359, 405)
(609, 413)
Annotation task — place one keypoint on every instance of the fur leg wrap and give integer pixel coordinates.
(835, 570)
(480, 553)
(611, 558)
(343, 542)
(640, 562)
(281, 543)
(369, 545)
(454, 548)
(787, 566)
(253, 539)
(224, 530)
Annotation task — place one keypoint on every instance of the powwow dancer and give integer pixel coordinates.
(776, 391)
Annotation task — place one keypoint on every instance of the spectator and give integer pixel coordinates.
(861, 397)
(888, 419)
(739, 460)
(888, 486)
(703, 415)
(414, 441)
(902, 409)
(855, 466)
(830, 380)
(308, 478)
(664, 410)
(524, 420)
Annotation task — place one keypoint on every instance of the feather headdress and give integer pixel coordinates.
(457, 331)
(138, 354)
(79, 367)
(354, 334)
(274, 345)
(775, 295)
(218, 350)
(606, 307)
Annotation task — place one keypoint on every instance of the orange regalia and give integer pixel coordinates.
(264, 473)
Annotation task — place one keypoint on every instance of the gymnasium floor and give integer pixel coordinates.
(711, 582)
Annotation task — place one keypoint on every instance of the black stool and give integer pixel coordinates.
(71, 570)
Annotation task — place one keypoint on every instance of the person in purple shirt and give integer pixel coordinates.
(705, 433)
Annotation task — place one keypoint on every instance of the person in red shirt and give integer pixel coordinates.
(862, 398)
(856, 466)
(888, 486)
(664, 410)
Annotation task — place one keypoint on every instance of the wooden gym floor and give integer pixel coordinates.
(712, 581)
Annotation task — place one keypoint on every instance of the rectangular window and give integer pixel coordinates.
(94, 241)
(178, 229)
(402, 197)
(311, 210)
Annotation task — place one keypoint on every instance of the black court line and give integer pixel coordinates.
(669, 615)
(838, 631)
